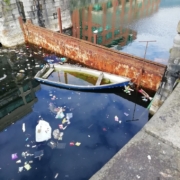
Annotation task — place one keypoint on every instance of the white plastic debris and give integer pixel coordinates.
(18, 161)
(56, 176)
(149, 157)
(23, 127)
(20, 169)
(116, 118)
(126, 114)
(43, 131)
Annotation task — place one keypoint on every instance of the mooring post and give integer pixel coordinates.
(95, 38)
(59, 19)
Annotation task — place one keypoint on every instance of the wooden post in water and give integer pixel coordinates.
(59, 19)
(65, 78)
(59, 77)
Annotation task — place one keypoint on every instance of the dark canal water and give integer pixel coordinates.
(93, 124)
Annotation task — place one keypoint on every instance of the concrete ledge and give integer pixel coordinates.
(154, 153)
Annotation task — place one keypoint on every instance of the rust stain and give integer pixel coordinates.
(95, 56)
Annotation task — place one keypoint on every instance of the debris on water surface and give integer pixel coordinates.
(116, 118)
(27, 167)
(64, 121)
(69, 115)
(60, 126)
(78, 144)
(56, 176)
(18, 161)
(57, 134)
(20, 169)
(90, 126)
(52, 144)
(23, 127)
(43, 131)
(14, 156)
(71, 143)
(126, 114)
(104, 129)
(38, 154)
(60, 113)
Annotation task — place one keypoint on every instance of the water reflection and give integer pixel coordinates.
(160, 26)
(107, 20)
(17, 92)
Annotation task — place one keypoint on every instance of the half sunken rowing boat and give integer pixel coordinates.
(104, 80)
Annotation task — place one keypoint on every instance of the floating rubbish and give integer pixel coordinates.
(27, 145)
(57, 134)
(64, 121)
(27, 167)
(145, 94)
(90, 126)
(60, 113)
(60, 126)
(43, 131)
(116, 118)
(23, 154)
(51, 144)
(64, 127)
(61, 145)
(56, 176)
(26, 139)
(71, 143)
(120, 121)
(18, 161)
(53, 108)
(30, 162)
(14, 156)
(69, 97)
(23, 127)
(34, 146)
(69, 115)
(20, 169)
(53, 98)
(149, 157)
(126, 114)
(78, 144)
(89, 136)
(144, 99)
(38, 154)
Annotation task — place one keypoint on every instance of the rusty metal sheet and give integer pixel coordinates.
(95, 56)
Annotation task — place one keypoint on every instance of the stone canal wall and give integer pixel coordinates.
(41, 12)
(154, 152)
(95, 56)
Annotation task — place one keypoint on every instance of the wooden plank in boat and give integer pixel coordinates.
(47, 74)
(99, 79)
